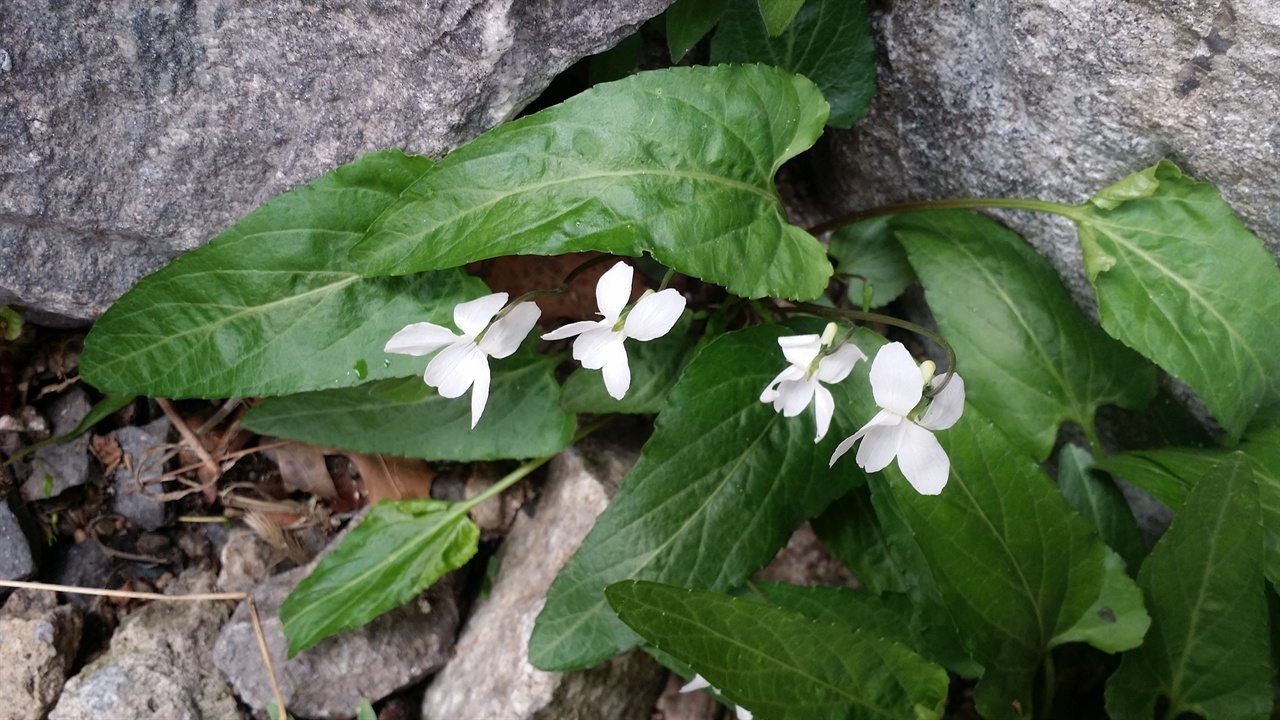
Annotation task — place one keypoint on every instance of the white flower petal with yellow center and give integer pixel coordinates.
(801, 382)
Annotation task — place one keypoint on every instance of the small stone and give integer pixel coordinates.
(132, 494)
(246, 561)
(38, 642)
(17, 561)
(86, 565)
(61, 466)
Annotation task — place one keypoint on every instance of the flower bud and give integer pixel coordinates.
(927, 369)
(829, 334)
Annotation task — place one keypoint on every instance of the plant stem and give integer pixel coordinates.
(1069, 211)
(525, 468)
(1095, 443)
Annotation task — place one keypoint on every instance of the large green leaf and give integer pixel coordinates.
(655, 367)
(1029, 357)
(780, 664)
(828, 41)
(405, 417)
(871, 256)
(1019, 571)
(1170, 474)
(778, 14)
(851, 532)
(676, 162)
(1181, 280)
(396, 552)
(1099, 501)
(687, 21)
(718, 489)
(1208, 651)
(271, 306)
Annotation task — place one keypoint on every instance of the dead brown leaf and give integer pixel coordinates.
(387, 477)
(107, 451)
(302, 468)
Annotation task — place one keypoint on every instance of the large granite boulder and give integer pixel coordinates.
(1056, 99)
(131, 131)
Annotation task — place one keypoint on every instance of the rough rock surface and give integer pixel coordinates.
(157, 666)
(17, 561)
(328, 680)
(134, 130)
(132, 499)
(1055, 99)
(67, 464)
(38, 642)
(490, 675)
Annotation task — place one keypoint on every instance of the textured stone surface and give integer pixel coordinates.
(158, 665)
(131, 498)
(17, 561)
(66, 463)
(1056, 99)
(490, 675)
(328, 680)
(131, 131)
(38, 642)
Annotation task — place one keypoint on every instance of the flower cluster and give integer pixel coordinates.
(492, 328)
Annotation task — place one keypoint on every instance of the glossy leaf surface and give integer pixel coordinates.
(852, 533)
(1181, 280)
(396, 552)
(778, 14)
(781, 664)
(1019, 571)
(1207, 652)
(1029, 357)
(870, 253)
(718, 489)
(688, 21)
(827, 41)
(677, 162)
(1099, 501)
(406, 417)
(271, 306)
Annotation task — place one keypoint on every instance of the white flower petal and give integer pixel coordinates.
(842, 448)
(654, 315)
(883, 417)
(837, 366)
(800, 350)
(473, 316)
(594, 347)
(795, 395)
(770, 393)
(945, 409)
(824, 406)
(697, 683)
(479, 392)
(879, 444)
(576, 328)
(454, 369)
(617, 373)
(505, 335)
(743, 713)
(922, 460)
(613, 291)
(895, 379)
(421, 338)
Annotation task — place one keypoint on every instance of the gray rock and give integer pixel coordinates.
(328, 680)
(245, 561)
(132, 131)
(157, 666)
(38, 642)
(17, 560)
(490, 675)
(132, 498)
(1056, 99)
(62, 466)
(86, 565)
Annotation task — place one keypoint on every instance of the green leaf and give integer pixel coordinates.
(396, 552)
(405, 417)
(780, 664)
(1207, 652)
(655, 367)
(1169, 474)
(617, 62)
(1099, 501)
(366, 711)
(271, 306)
(1029, 357)
(688, 21)
(1181, 280)
(1019, 571)
(677, 162)
(851, 532)
(778, 14)
(829, 42)
(868, 251)
(718, 489)
(99, 412)
(10, 323)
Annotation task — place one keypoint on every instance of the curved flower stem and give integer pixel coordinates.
(859, 315)
(1069, 211)
(564, 286)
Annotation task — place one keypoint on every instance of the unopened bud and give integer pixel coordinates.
(927, 369)
(829, 334)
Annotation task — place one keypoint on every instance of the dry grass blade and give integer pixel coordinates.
(189, 438)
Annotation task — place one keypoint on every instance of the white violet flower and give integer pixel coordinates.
(464, 360)
(698, 683)
(801, 383)
(600, 343)
(898, 386)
